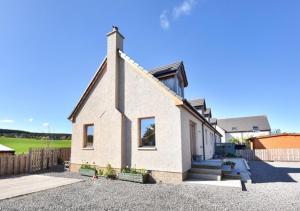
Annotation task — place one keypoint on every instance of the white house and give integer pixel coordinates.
(131, 116)
(243, 127)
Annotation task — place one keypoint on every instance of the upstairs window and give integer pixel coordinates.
(88, 135)
(255, 128)
(147, 132)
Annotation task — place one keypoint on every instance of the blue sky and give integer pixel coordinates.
(242, 56)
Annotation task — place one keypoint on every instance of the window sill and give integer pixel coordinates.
(147, 148)
(88, 148)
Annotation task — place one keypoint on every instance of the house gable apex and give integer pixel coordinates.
(88, 90)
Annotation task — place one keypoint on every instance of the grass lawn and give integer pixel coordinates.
(22, 145)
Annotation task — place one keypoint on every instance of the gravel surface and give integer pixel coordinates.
(275, 188)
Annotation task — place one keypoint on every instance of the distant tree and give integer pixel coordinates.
(149, 135)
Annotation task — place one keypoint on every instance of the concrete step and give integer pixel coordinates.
(206, 171)
(204, 176)
(234, 174)
(208, 164)
(205, 166)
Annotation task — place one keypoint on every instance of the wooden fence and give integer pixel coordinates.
(270, 154)
(36, 160)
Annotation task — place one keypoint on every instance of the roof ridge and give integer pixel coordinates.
(166, 65)
(243, 117)
(196, 99)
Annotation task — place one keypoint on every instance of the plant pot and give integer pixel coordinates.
(140, 178)
(87, 172)
(58, 168)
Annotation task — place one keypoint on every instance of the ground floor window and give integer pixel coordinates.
(147, 132)
(88, 135)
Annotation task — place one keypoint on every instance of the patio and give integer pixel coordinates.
(17, 186)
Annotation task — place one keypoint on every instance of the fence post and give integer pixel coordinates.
(30, 160)
(42, 159)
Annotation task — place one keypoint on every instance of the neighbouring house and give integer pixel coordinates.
(4, 150)
(242, 128)
(277, 141)
(128, 116)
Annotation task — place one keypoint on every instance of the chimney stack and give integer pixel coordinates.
(114, 44)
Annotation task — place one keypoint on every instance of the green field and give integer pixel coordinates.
(22, 145)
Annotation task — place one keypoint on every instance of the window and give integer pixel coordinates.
(175, 84)
(88, 135)
(147, 132)
(255, 128)
(234, 128)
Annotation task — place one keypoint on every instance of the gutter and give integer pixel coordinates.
(203, 141)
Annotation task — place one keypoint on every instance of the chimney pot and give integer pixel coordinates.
(115, 28)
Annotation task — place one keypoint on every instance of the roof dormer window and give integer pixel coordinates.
(255, 128)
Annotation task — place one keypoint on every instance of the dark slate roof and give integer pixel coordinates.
(207, 112)
(197, 102)
(244, 124)
(169, 69)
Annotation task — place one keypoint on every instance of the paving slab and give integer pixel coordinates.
(17, 186)
(222, 183)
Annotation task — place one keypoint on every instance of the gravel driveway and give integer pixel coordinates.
(276, 188)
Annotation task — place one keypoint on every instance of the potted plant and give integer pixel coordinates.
(133, 175)
(100, 173)
(229, 163)
(87, 170)
(109, 172)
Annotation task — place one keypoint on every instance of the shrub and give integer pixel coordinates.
(87, 166)
(234, 140)
(126, 170)
(134, 170)
(229, 163)
(109, 172)
(100, 172)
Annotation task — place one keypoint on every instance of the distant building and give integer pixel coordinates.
(243, 127)
(276, 141)
(4, 150)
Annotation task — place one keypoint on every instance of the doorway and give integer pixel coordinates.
(193, 139)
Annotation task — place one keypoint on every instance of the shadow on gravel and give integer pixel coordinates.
(262, 172)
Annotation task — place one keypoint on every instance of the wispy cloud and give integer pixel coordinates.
(164, 20)
(45, 124)
(30, 120)
(7, 121)
(184, 8)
